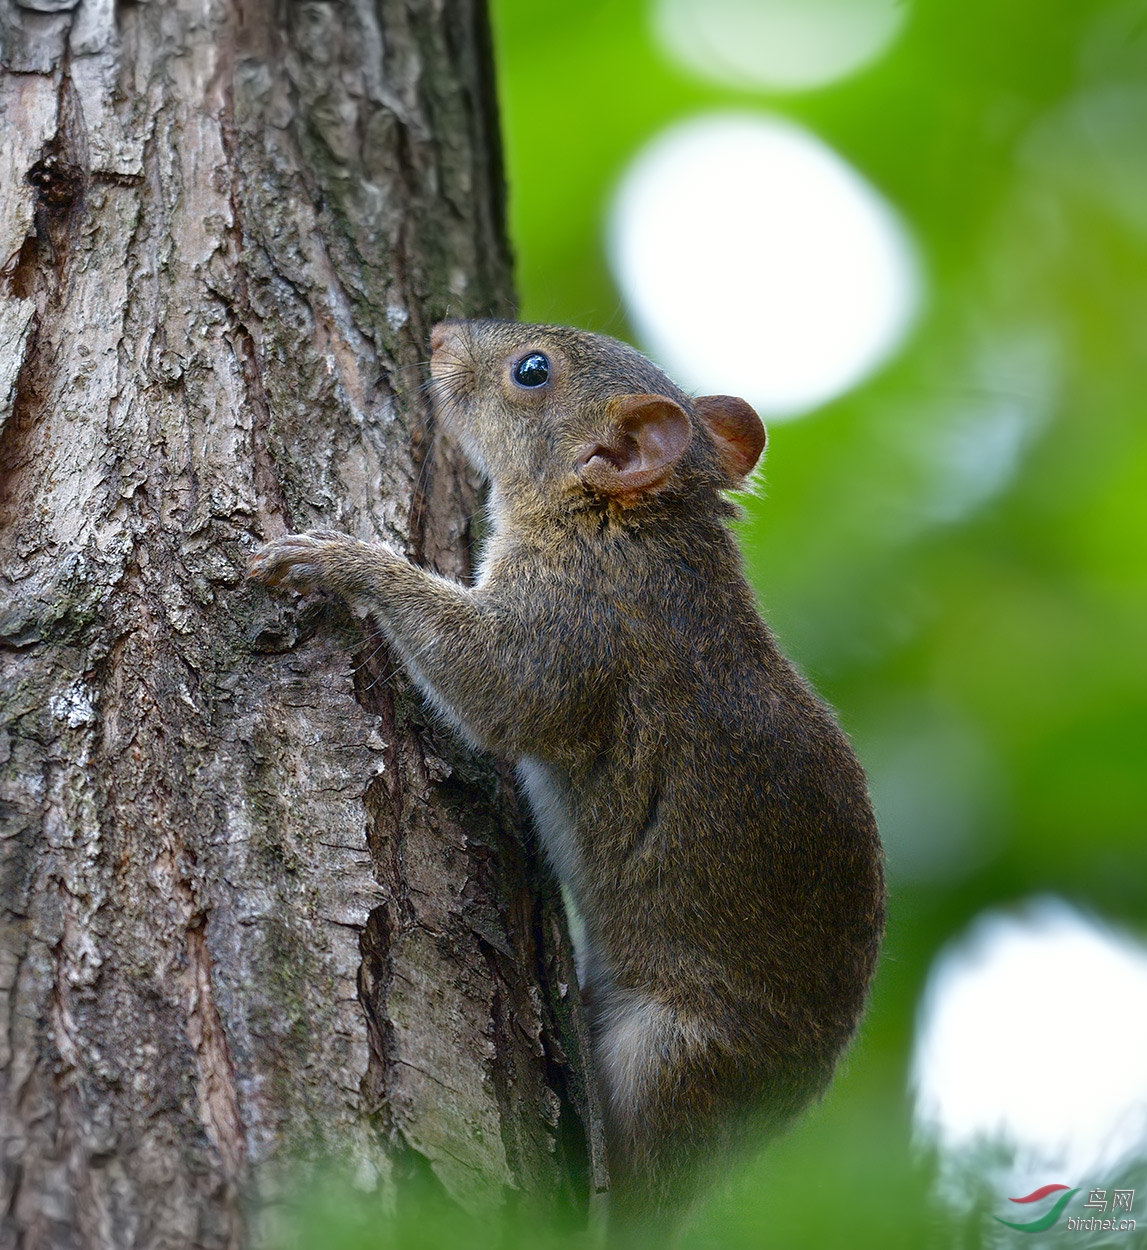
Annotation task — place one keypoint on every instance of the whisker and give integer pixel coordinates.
(380, 646)
(426, 467)
(384, 679)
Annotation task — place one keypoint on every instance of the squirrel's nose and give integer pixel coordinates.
(441, 334)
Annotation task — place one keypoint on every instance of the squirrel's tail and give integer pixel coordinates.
(682, 1100)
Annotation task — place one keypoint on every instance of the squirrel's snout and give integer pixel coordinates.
(442, 334)
(451, 358)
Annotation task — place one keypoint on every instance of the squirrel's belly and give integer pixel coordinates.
(556, 833)
(555, 828)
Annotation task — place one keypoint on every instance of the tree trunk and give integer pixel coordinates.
(257, 907)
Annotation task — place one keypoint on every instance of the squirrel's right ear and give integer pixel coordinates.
(648, 436)
(737, 432)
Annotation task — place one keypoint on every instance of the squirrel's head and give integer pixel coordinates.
(572, 419)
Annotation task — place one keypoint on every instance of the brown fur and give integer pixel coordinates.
(696, 799)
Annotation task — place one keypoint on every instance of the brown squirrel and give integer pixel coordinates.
(698, 802)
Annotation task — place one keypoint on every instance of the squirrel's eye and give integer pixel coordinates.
(532, 370)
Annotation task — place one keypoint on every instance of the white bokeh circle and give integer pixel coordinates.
(754, 261)
(1032, 1033)
(779, 45)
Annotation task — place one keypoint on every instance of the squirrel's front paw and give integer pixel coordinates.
(302, 561)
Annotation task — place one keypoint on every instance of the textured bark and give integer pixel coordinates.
(257, 908)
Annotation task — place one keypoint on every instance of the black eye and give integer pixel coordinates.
(532, 370)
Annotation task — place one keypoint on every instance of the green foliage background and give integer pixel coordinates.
(985, 647)
(989, 661)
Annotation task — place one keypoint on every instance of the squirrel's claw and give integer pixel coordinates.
(295, 560)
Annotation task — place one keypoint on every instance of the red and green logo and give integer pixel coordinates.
(1049, 1217)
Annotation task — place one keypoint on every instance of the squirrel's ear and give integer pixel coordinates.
(649, 435)
(737, 432)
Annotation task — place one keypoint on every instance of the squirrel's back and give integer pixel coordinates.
(716, 834)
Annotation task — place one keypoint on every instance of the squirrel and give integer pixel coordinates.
(698, 803)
